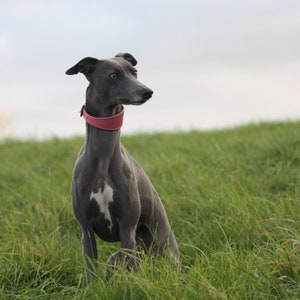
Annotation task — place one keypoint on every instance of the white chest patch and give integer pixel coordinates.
(103, 198)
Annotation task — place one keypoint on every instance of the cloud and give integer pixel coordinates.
(207, 62)
(25, 8)
(247, 36)
(5, 46)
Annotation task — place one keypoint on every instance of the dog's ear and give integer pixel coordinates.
(85, 66)
(128, 57)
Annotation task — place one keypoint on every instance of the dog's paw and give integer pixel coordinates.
(120, 260)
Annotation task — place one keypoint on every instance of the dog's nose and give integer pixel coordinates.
(147, 95)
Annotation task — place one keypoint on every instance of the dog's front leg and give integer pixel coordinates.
(90, 253)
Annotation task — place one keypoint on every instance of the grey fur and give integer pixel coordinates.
(137, 213)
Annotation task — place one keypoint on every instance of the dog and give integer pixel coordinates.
(112, 196)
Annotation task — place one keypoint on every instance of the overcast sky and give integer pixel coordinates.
(211, 64)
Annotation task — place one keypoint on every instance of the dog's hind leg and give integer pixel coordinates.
(144, 238)
(165, 242)
(127, 254)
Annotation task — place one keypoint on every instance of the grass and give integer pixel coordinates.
(232, 196)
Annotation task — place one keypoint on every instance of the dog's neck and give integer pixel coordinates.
(102, 145)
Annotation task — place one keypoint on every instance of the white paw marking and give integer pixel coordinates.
(103, 198)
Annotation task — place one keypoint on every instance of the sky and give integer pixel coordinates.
(211, 64)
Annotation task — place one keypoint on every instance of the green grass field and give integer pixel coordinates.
(232, 196)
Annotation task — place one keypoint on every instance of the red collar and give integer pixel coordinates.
(106, 123)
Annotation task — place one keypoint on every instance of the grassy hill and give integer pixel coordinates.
(232, 196)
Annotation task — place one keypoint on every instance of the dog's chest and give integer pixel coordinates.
(104, 198)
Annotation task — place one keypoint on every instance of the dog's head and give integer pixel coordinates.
(114, 80)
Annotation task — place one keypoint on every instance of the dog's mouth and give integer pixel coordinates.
(141, 99)
(127, 101)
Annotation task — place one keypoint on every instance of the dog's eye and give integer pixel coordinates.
(113, 76)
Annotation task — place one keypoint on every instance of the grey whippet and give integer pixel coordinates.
(112, 195)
